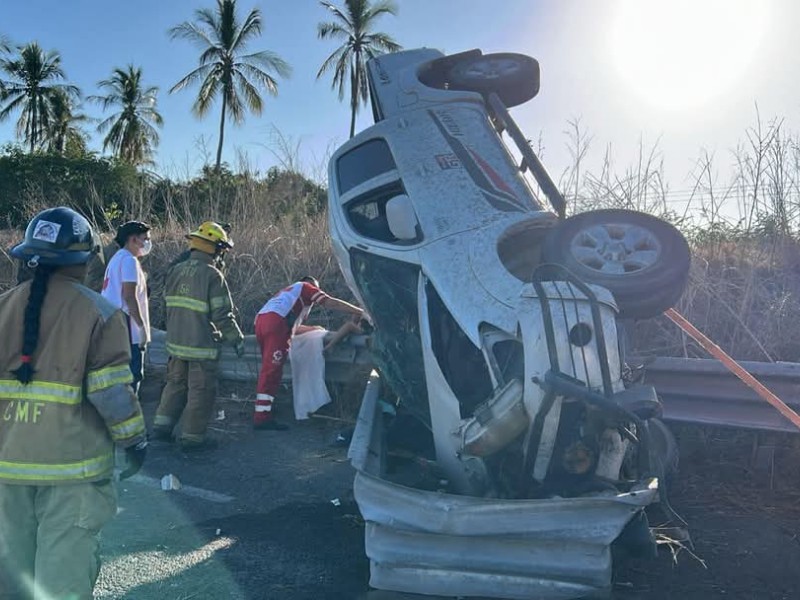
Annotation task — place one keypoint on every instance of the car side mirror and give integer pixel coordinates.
(401, 218)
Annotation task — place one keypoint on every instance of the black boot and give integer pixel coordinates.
(162, 434)
(272, 425)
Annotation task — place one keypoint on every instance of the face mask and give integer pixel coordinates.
(146, 247)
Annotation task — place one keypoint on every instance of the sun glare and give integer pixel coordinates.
(679, 54)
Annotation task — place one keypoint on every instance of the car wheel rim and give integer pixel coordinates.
(616, 249)
(494, 68)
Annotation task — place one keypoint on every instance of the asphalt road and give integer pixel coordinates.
(265, 515)
(270, 515)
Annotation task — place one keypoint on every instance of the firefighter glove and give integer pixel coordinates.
(134, 459)
(239, 348)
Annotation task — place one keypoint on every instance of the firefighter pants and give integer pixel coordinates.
(49, 539)
(273, 335)
(190, 391)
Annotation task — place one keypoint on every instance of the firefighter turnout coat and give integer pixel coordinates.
(199, 310)
(60, 427)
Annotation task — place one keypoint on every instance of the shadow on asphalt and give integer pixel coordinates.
(313, 550)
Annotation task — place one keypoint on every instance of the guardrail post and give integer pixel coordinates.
(763, 459)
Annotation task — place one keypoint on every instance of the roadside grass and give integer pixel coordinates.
(744, 288)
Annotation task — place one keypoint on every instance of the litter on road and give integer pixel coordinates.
(170, 482)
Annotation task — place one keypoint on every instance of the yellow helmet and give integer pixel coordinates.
(209, 237)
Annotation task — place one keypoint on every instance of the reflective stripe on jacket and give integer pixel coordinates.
(60, 427)
(199, 310)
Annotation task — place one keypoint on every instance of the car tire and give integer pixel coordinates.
(642, 260)
(513, 77)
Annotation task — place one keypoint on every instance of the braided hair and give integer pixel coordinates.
(33, 310)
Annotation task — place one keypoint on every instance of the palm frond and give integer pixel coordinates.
(11, 106)
(200, 73)
(337, 13)
(249, 29)
(269, 61)
(381, 7)
(234, 104)
(263, 79)
(103, 125)
(380, 41)
(340, 73)
(212, 54)
(331, 30)
(211, 19)
(192, 33)
(208, 91)
(332, 59)
(247, 91)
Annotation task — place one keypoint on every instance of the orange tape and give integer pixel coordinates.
(733, 366)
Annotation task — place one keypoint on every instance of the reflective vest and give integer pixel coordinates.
(60, 428)
(199, 310)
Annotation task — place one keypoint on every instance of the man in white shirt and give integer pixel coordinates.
(125, 286)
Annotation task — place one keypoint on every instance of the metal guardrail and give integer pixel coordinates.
(344, 361)
(692, 390)
(702, 391)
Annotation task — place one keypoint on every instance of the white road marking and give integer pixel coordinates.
(188, 490)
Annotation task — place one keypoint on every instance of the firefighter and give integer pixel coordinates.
(95, 268)
(199, 319)
(219, 262)
(65, 399)
(280, 318)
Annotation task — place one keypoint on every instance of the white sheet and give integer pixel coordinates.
(308, 373)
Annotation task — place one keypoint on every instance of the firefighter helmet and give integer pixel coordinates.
(209, 232)
(57, 236)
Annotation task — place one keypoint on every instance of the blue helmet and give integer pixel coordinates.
(57, 236)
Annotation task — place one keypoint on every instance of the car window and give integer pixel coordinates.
(363, 163)
(367, 214)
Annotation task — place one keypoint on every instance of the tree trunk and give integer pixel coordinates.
(221, 132)
(354, 93)
(353, 121)
(33, 124)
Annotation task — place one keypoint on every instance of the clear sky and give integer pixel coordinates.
(686, 72)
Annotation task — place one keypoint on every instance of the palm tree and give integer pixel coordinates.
(33, 77)
(354, 24)
(63, 130)
(132, 132)
(223, 69)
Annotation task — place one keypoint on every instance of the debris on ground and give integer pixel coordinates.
(170, 482)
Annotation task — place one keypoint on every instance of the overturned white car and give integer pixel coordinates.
(496, 328)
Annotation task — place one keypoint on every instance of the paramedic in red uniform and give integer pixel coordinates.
(280, 318)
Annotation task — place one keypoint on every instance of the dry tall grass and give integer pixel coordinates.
(275, 243)
(744, 290)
